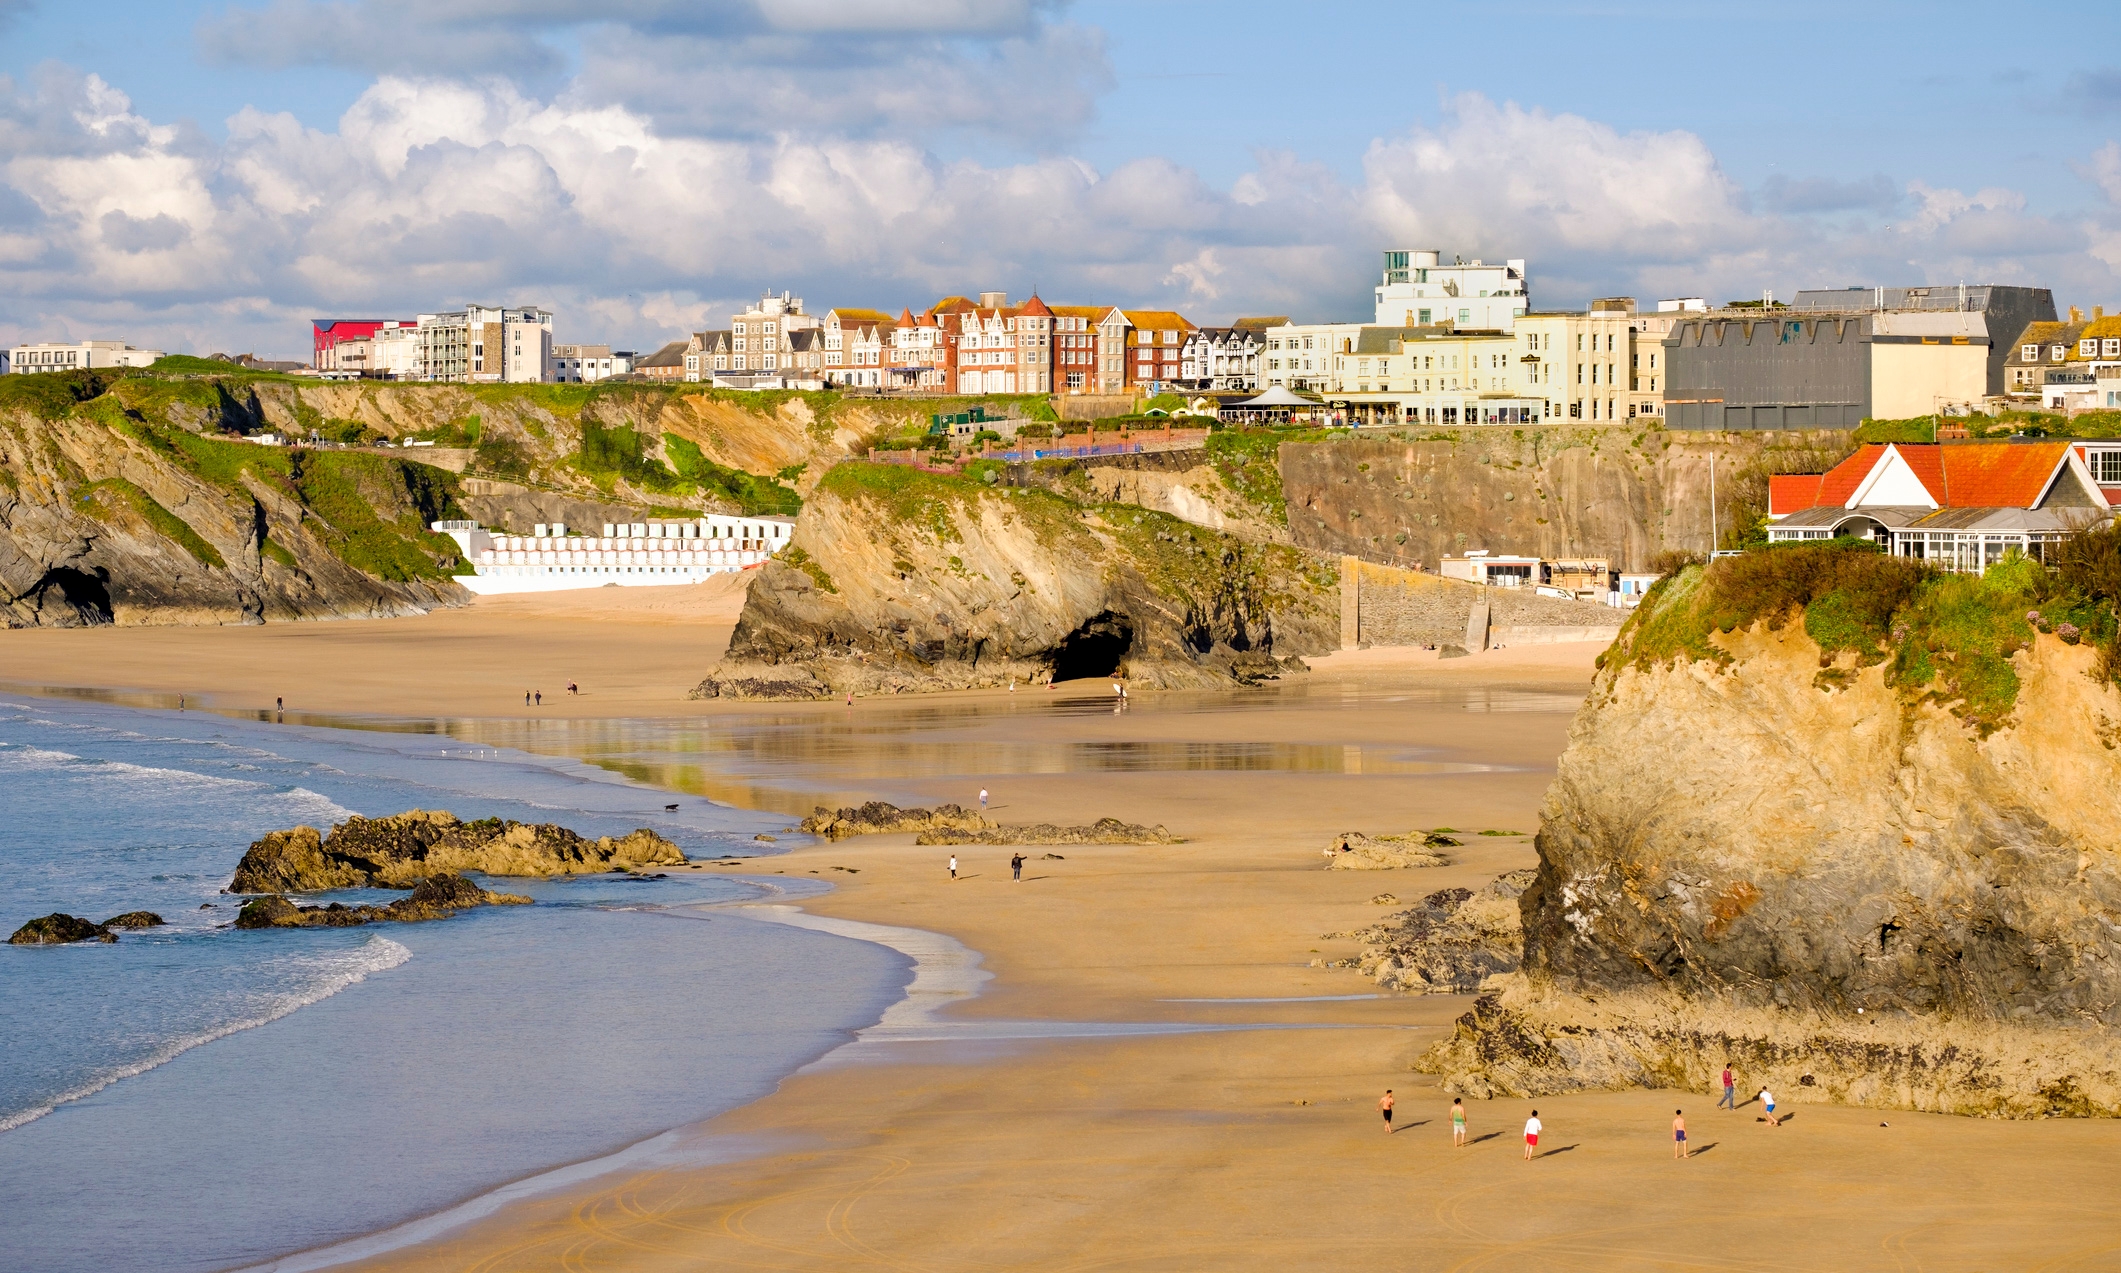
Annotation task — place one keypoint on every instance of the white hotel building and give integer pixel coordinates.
(42, 356)
(652, 553)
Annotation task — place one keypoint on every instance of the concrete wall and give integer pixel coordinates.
(1909, 380)
(1384, 606)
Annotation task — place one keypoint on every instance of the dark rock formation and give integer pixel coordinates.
(1354, 851)
(1102, 831)
(399, 851)
(878, 818)
(910, 581)
(135, 919)
(57, 929)
(1451, 943)
(436, 897)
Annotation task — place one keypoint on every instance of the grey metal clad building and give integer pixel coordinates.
(1812, 365)
(1737, 369)
(2006, 310)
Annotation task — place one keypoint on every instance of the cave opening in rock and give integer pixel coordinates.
(63, 589)
(1094, 649)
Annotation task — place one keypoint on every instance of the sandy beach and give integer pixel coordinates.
(1253, 1147)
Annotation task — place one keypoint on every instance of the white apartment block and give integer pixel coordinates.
(484, 345)
(392, 352)
(1302, 356)
(1419, 290)
(587, 364)
(30, 359)
(759, 344)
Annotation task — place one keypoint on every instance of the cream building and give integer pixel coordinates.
(1927, 362)
(36, 357)
(485, 345)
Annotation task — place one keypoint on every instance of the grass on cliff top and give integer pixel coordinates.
(97, 496)
(1945, 638)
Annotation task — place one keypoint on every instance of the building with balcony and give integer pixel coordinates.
(45, 356)
(1419, 290)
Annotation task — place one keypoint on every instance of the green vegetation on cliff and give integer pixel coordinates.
(97, 499)
(1945, 638)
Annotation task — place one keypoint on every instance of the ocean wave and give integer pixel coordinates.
(332, 973)
(306, 804)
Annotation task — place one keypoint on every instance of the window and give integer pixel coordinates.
(1579, 342)
(2110, 348)
(2106, 467)
(2031, 353)
(766, 328)
(2056, 353)
(1465, 316)
(2087, 348)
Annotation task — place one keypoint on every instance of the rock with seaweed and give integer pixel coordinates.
(438, 896)
(403, 849)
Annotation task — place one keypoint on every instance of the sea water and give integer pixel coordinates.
(195, 1097)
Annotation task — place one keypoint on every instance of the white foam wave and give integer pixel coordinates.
(333, 973)
(305, 803)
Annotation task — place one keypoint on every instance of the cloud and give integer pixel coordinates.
(1876, 193)
(2096, 93)
(431, 192)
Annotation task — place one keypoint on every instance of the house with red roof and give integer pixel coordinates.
(1958, 505)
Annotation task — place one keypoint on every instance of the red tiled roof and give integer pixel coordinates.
(1792, 493)
(1035, 307)
(1841, 481)
(1998, 474)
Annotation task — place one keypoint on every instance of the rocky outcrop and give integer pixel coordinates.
(1354, 851)
(57, 929)
(878, 818)
(438, 896)
(1102, 831)
(901, 580)
(401, 850)
(135, 919)
(1454, 942)
(1843, 813)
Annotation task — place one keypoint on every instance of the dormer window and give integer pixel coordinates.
(2087, 348)
(2031, 353)
(2057, 353)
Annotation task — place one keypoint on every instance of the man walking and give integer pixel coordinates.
(1730, 1089)
(1016, 866)
(1385, 1107)
(1679, 1147)
(953, 866)
(1532, 1128)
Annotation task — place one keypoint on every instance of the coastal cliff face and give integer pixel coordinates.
(1864, 842)
(898, 579)
(111, 511)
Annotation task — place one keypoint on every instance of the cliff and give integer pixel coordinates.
(1845, 820)
(401, 850)
(111, 511)
(900, 579)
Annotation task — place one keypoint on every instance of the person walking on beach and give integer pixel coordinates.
(982, 799)
(1532, 1128)
(1679, 1147)
(539, 695)
(526, 698)
(1016, 866)
(1458, 1123)
(1767, 1100)
(1384, 1107)
(279, 704)
(1730, 1089)
(953, 866)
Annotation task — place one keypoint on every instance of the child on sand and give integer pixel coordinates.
(1767, 1099)
(1532, 1128)
(1458, 1122)
(1385, 1107)
(953, 866)
(1679, 1146)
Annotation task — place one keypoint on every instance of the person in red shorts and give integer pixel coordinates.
(1532, 1128)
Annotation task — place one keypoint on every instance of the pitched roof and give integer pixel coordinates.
(858, 316)
(1157, 319)
(1959, 475)
(1035, 307)
(1792, 492)
(670, 355)
(2106, 328)
(1081, 311)
(1261, 324)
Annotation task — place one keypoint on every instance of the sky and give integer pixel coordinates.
(209, 177)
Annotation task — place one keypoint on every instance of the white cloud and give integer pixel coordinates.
(433, 192)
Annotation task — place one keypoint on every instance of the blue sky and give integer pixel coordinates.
(209, 176)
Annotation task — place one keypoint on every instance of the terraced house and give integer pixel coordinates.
(1152, 344)
(2069, 366)
(995, 347)
(857, 347)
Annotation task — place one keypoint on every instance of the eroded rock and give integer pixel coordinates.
(58, 929)
(1354, 851)
(879, 818)
(436, 897)
(401, 850)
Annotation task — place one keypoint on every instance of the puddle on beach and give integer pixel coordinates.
(785, 759)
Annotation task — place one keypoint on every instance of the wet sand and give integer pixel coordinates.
(1246, 1149)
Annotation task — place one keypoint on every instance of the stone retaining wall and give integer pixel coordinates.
(1384, 606)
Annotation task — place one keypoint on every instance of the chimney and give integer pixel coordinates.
(2076, 315)
(2098, 312)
